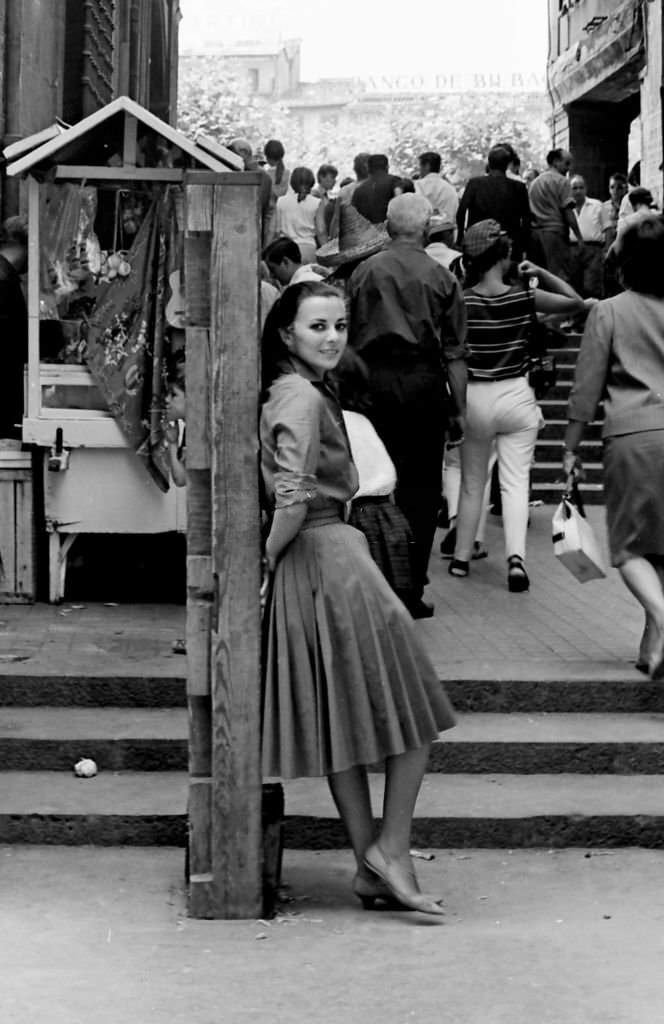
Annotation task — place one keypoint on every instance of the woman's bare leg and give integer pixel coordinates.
(644, 581)
(389, 856)
(350, 792)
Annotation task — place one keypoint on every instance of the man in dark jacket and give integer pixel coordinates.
(372, 196)
(408, 323)
(495, 196)
(13, 324)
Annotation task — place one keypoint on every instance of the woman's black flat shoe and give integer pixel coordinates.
(517, 577)
(458, 568)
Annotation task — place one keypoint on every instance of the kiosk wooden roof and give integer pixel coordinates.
(85, 149)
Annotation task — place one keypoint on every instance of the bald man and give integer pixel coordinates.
(407, 322)
(587, 259)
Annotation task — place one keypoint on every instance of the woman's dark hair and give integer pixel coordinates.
(406, 185)
(302, 181)
(282, 315)
(641, 256)
(477, 266)
(274, 150)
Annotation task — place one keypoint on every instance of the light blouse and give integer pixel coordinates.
(297, 220)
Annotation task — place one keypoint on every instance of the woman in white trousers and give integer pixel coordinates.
(501, 406)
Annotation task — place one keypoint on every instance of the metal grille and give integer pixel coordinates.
(98, 43)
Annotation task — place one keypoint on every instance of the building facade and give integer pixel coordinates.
(65, 59)
(605, 84)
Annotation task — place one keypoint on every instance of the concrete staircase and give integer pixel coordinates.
(547, 475)
(532, 763)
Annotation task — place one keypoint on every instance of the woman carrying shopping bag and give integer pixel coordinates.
(622, 362)
(501, 405)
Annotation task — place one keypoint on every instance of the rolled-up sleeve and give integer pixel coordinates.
(592, 366)
(454, 326)
(296, 434)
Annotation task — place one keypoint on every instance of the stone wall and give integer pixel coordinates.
(651, 104)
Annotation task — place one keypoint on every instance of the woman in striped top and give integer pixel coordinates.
(501, 405)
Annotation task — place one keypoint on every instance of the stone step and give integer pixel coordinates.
(549, 492)
(555, 430)
(549, 450)
(32, 689)
(552, 473)
(522, 687)
(461, 810)
(53, 739)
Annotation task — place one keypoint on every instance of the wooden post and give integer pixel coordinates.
(223, 563)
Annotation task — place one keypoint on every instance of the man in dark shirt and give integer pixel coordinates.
(494, 196)
(408, 322)
(371, 198)
(13, 324)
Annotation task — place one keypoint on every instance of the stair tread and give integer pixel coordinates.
(73, 723)
(502, 796)
(460, 796)
(109, 724)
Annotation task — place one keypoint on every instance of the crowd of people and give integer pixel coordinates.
(398, 342)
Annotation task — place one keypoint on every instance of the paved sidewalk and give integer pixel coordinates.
(531, 937)
(560, 629)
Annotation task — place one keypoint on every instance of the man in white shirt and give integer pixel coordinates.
(442, 196)
(587, 252)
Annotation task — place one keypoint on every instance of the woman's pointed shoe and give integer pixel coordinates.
(410, 899)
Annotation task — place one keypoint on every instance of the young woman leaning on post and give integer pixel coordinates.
(347, 681)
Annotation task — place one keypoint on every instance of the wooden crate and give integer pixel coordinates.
(17, 547)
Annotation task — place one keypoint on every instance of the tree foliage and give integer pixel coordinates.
(461, 127)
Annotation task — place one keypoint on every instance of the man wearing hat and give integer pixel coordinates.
(440, 247)
(407, 321)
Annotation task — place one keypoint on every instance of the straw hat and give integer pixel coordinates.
(358, 239)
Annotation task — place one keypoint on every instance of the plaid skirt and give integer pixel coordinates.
(389, 538)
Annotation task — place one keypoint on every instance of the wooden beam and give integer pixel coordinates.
(80, 172)
(130, 141)
(236, 637)
(33, 404)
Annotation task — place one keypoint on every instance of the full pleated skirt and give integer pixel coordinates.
(634, 494)
(347, 680)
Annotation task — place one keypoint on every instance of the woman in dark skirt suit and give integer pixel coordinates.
(622, 361)
(347, 680)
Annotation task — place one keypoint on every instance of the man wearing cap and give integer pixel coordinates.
(495, 196)
(407, 321)
(440, 247)
(552, 205)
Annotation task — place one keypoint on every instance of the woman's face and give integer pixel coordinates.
(319, 333)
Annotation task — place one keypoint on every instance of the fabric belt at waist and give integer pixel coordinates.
(324, 516)
(373, 499)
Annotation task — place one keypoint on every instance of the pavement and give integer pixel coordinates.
(100, 936)
(561, 628)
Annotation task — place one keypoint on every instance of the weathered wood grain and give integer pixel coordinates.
(236, 646)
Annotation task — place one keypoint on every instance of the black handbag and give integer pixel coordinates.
(542, 369)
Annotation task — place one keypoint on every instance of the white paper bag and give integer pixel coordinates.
(575, 544)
